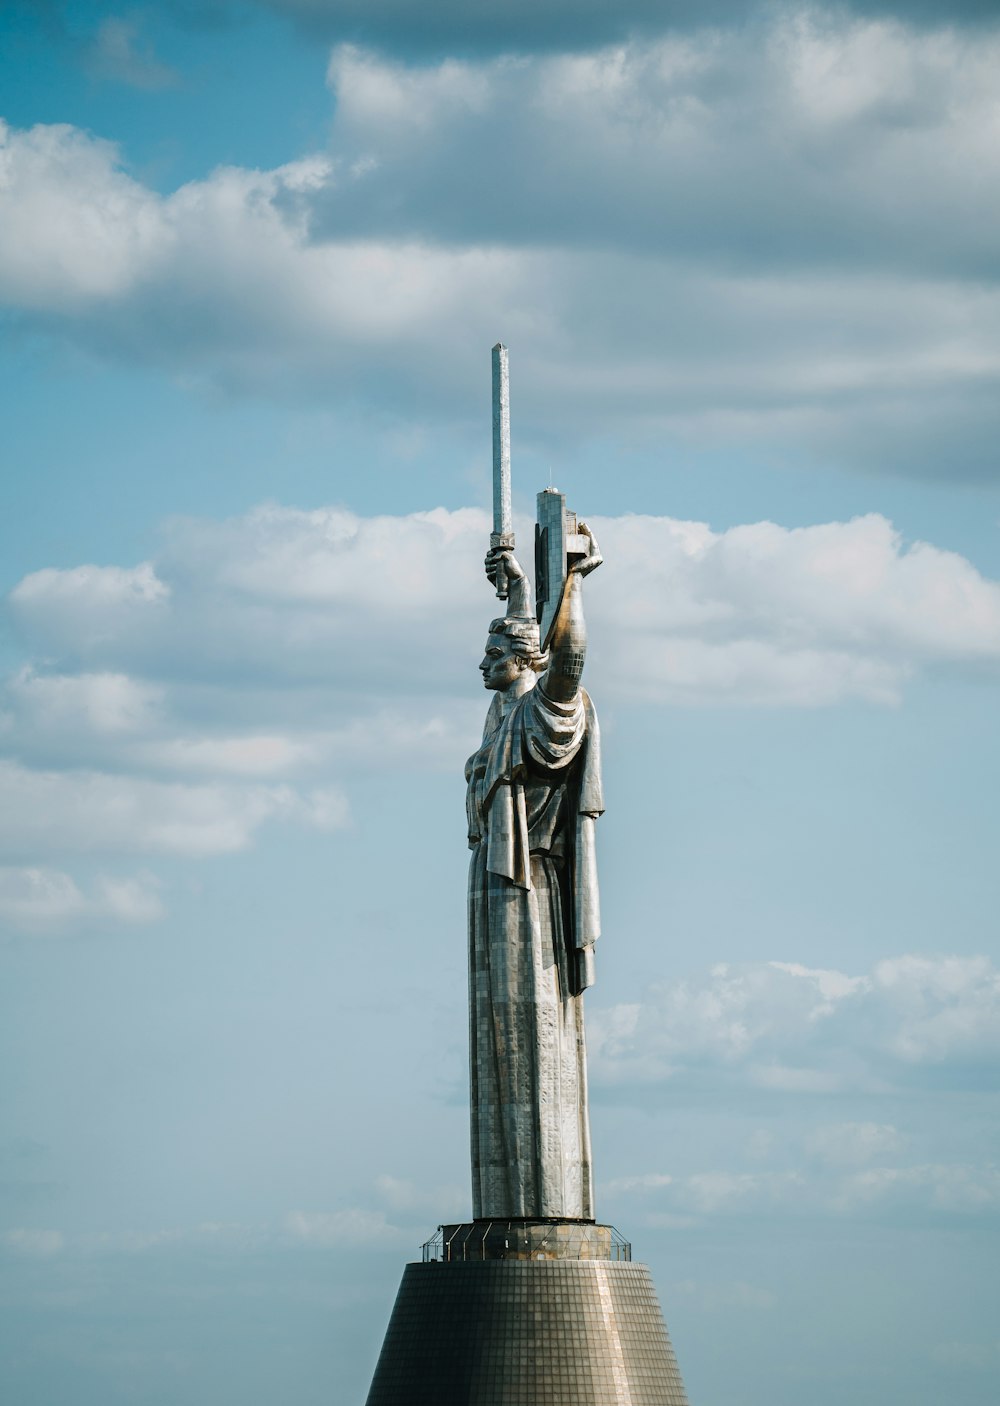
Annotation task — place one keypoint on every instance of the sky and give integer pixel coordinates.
(253, 257)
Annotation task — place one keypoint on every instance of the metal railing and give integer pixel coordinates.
(504, 1239)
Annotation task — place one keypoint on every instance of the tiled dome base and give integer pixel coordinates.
(527, 1332)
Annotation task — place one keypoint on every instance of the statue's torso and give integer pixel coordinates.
(546, 790)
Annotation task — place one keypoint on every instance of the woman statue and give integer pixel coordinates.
(534, 792)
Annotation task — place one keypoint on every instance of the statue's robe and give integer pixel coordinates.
(534, 792)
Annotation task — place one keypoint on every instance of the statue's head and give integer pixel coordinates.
(512, 648)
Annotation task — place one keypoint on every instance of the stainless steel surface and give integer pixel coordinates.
(534, 793)
(557, 544)
(503, 524)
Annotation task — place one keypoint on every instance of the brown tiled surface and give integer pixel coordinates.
(527, 1333)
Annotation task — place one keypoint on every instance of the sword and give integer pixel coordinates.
(503, 530)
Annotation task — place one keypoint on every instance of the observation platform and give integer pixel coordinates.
(526, 1240)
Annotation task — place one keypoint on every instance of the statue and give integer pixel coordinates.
(534, 793)
(533, 1301)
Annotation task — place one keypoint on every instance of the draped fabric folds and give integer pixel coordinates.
(534, 792)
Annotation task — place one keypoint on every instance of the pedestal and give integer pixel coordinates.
(527, 1314)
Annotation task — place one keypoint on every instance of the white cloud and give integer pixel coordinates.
(119, 53)
(780, 235)
(132, 900)
(183, 704)
(39, 899)
(93, 603)
(776, 1025)
(710, 1192)
(136, 1242)
(681, 1203)
(447, 1203)
(949, 1187)
(219, 278)
(392, 606)
(283, 595)
(88, 812)
(824, 1186)
(336, 1229)
(853, 1144)
(186, 702)
(253, 755)
(36, 1243)
(824, 121)
(377, 98)
(103, 703)
(94, 586)
(810, 615)
(646, 1181)
(947, 1008)
(349, 1228)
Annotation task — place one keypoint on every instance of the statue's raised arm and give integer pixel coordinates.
(503, 564)
(568, 644)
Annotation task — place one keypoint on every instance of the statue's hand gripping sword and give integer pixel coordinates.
(502, 535)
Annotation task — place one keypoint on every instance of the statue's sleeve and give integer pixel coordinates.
(552, 733)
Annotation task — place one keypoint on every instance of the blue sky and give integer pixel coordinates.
(253, 257)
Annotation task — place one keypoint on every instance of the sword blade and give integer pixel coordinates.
(502, 522)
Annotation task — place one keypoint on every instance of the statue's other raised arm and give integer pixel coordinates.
(568, 644)
(517, 584)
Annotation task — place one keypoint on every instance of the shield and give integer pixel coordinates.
(557, 543)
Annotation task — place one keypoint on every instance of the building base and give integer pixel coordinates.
(527, 1327)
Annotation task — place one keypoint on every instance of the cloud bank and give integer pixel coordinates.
(777, 236)
(38, 900)
(257, 665)
(288, 601)
(781, 1027)
(786, 1047)
(949, 1189)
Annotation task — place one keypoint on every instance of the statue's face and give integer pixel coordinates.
(500, 665)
